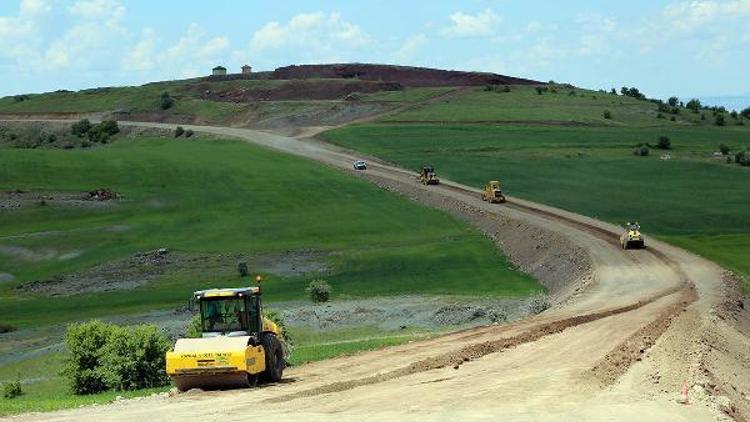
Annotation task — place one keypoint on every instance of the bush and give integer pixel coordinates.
(506, 88)
(694, 105)
(188, 133)
(81, 128)
(278, 318)
(672, 119)
(660, 116)
(103, 131)
(664, 143)
(673, 101)
(675, 111)
(541, 90)
(20, 98)
(178, 131)
(319, 290)
(85, 342)
(739, 156)
(607, 114)
(6, 328)
(134, 357)
(703, 116)
(641, 151)
(663, 108)
(745, 113)
(734, 115)
(720, 121)
(724, 149)
(166, 101)
(12, 389)
(106, 356)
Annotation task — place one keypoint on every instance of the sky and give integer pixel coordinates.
(665, 48)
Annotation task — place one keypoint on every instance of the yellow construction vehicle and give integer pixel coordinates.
(428, 176)
(493, 193)
(238, 345)
(632, 238)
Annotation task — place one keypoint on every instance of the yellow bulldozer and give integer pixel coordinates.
(428, 176)
(238, 344)
(493, 193)
(632, 238)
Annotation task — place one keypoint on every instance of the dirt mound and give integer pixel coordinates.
(293, 90)
(18, 198)
(405, 75)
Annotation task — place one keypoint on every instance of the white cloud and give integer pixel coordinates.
(142, 55)
(318, 31)
(34, 7)
(98, 9)
(465, 25)
(687, 17)
(411, 45)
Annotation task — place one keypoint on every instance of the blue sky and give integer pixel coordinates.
(671, 47)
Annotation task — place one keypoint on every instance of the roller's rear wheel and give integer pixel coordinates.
(274, 358)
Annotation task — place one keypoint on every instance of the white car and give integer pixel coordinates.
(360, 165)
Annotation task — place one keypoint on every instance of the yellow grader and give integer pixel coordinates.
(428, 176)
(493, 193)
(238, 344)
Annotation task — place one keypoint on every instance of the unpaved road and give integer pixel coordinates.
(620, 349)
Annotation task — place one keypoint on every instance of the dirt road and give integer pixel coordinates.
(619, 346)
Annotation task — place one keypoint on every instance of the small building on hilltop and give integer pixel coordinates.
(247, 69)
(219, 71)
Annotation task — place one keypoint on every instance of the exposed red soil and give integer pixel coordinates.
(294, 90)
(405, 75)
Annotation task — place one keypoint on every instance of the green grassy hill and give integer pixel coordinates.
(559, 150)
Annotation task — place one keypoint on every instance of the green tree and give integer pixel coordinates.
(166, 101)
(673, 101)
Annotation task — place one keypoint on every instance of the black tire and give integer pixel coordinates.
(274, 358)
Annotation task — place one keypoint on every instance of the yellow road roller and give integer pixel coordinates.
(632, 238)
(237, 344)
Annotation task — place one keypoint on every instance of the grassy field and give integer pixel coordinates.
(564, 105)
(693, 199)
(233, 198)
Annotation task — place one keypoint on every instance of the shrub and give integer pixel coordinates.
(675, 110)
(85, 144)
(663, 108)
(12, 389)
(166, 101)
(51, 138)
(703, 116)
(672, 119)
(278, 318)
(541, 90)
(80, 127)
(506, 88)
(664, 142)
(746, 113)
(673, 101)
(694, 105)
(106, 356)
(724, 149)
(6, 328)
(571, 94)
(134, 358)
(734, 115)
(194, 329)
(179, 131)
(660, 116)
(103, 131)
(188, 133)
(85, 342)
(720, 121)
(607, 114)
(739, 156)
(20, 98)
(641, 151)
(319, 290)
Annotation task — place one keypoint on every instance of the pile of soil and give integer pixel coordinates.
(18, 198)
(146, 267)
(404, 75)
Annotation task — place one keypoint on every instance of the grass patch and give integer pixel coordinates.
(693, 199)
(215, 197)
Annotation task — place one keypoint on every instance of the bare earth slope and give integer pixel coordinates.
(629, 328)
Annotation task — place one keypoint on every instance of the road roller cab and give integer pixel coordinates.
(237, 344)
(632, 238)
